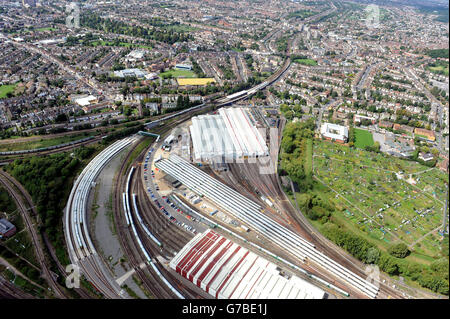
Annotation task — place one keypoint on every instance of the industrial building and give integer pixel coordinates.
(229, 135)
(250, 213)
(84, 99)
(181, 66)
(334, 132)
(136, 55)
(6, 228)
(137, 73)
(225, 270)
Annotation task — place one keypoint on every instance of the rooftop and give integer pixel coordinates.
(224, 269)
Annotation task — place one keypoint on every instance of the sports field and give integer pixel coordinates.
(310, 62)
(4, 89)
(178, 73)
(383, 198)
(363, 138)
(195, 81)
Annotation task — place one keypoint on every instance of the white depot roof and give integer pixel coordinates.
(210, 137)
(230, 134)
(224, 269)
(334, 131)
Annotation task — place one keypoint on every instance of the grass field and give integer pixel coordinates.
(179, 73)
(121, 44)
(439, 69)
(372, 201)
(46, 29)
(40, 143)
(195, 81)
(363, 138)
(182, 28)
(310, 62)
(4, 89)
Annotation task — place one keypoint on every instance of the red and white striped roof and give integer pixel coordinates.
(225, 270)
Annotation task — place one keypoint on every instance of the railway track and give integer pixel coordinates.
(9, 159)
(268, 185)
(9, 183)
(10, 291)
(149, 279)
(169, 233)
(124, 235)
(82, 251)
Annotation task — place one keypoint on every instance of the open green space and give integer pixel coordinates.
(439, 68)
(438, 53)
(5, 89)
(368, 204)
(309, 157)
(310, 62)
(7, 204)
(46, 29)
(182, 28)
(120, 44)
(363, 138)
(41, 143)
(49, 180)
(178, 73)
(384, 205)
(301, 14)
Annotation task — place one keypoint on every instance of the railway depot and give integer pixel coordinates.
(230, 135)
(227, 270)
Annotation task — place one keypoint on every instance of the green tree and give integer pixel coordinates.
(399, 250)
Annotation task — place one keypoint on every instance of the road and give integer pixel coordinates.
(89, 82)
(322, 109)
(436, 106)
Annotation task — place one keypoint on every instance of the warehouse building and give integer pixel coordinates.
(334, 132)
(226, 136)
(137, 73)
(225, 270)
(6, 228)
(181, 66)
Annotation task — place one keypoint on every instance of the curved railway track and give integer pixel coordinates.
(82, 251)
(268, 185)
(149, 278)
(10, 291)
(9, 159)
(131, 250)
(172, 235)
(9, 183)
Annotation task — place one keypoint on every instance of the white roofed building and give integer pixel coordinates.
(334, 132)
(226, 136)
(84, 100)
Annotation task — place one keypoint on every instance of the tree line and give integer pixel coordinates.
(93, 21)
